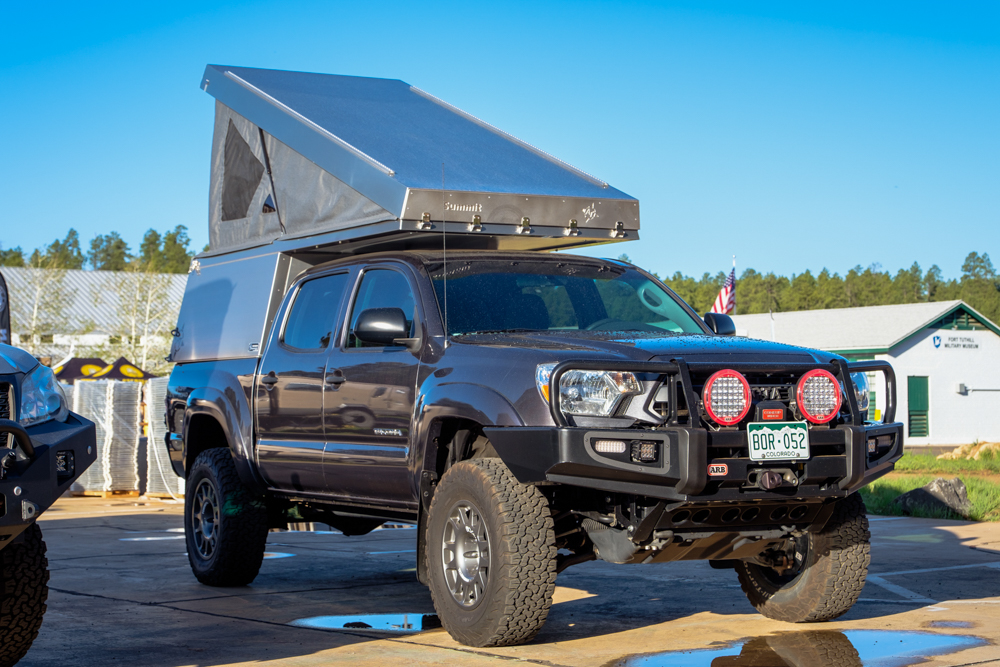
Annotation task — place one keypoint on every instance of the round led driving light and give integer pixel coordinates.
(726, 397)
(818, 396)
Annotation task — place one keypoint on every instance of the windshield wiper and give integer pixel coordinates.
(495, 331)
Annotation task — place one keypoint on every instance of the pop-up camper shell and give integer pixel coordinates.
(310, 167)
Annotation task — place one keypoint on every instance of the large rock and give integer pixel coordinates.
(940, 495)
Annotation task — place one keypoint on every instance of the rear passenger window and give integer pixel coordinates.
(313, 315)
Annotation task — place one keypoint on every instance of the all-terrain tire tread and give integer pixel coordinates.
(524, 563)
(24, 577)
(243, 529)
(833, 582)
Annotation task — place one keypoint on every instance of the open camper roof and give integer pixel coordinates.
(309, 161)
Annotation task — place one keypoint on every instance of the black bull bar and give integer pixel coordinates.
(562, 453)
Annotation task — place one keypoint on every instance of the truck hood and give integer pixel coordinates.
(15, 360)
(642, 346)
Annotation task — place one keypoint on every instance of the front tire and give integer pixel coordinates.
(225, 526)
(827, 583)
(24, 577)
(491, 555)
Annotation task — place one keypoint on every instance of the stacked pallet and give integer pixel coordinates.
(114, 407)
(160, 477)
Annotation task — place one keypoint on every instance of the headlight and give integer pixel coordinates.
(588, 393)
(42, 398)
(861, 389)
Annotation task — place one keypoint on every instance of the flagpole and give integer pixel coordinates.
(734, 284)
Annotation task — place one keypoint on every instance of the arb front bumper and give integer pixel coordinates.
(684, 460)
(44, 461)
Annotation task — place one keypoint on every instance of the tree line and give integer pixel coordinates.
(158, 253)
(979, 286)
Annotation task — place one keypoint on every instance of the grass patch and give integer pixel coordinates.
(984, 494)
(928, 463)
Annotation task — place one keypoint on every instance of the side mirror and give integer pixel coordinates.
(721, 325)
(384, 326)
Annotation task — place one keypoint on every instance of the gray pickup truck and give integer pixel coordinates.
(528, 410)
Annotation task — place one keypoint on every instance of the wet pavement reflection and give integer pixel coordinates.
(381, 622)
(853, 648)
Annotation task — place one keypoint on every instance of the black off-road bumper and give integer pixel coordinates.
(567, 455)
(54, 456)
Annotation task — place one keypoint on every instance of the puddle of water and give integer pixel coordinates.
(949, 624)
(853, 648)
(276, 554)
(380, 622)
(151, 538)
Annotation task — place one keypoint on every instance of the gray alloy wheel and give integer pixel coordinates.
(465, 554)
(205, 518)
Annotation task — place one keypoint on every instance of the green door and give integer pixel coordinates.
(919, 405)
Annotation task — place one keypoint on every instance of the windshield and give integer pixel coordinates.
(487, 296)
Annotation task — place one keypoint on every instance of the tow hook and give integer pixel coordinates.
(772, 478)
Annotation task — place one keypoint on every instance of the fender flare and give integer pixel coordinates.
(460, 400)
(218, 405)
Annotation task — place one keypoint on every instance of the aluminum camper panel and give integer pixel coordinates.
(228, 306)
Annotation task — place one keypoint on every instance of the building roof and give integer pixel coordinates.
(90, 300)
(868, 330)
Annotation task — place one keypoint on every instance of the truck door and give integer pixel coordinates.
(289, 392)
(369, 406)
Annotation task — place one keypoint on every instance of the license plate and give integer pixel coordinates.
(778, 441)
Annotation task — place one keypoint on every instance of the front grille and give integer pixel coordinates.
(5, 410)
(5, 401)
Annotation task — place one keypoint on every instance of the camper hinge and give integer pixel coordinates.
(477, 224)
(425, 222)
(525, 227)
(573, 229)
(619, 231)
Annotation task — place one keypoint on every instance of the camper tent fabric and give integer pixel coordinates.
(160, 475)
(242, 204)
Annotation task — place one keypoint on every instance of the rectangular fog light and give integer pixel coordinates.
(65, 465)
(872, 445)
(644, 452)
(609, 446)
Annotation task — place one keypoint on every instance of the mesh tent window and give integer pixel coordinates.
(241, 174)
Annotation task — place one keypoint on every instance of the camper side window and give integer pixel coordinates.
(311, 319)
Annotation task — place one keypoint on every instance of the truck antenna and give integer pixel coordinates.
(444, 256)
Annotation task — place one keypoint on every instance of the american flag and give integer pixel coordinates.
(725, 303)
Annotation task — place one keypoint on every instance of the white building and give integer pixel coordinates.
(945, 354)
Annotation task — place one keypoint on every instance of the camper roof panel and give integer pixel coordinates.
(402, 129)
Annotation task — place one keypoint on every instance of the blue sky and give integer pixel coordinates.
(795, 135)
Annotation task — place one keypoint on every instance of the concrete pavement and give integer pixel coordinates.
(122, 593)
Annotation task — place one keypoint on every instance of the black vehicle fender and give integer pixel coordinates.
(227, 407)
(457, 400)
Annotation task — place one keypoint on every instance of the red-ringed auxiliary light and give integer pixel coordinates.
(726, 397)
(818, 396)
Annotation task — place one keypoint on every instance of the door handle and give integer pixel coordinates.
(269, 380)
(336, 377)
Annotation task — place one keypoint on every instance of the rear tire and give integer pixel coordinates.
(225, 526)
(491, 555)
(24, 577)
(830, 578)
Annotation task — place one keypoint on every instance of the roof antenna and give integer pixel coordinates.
(444, 256)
